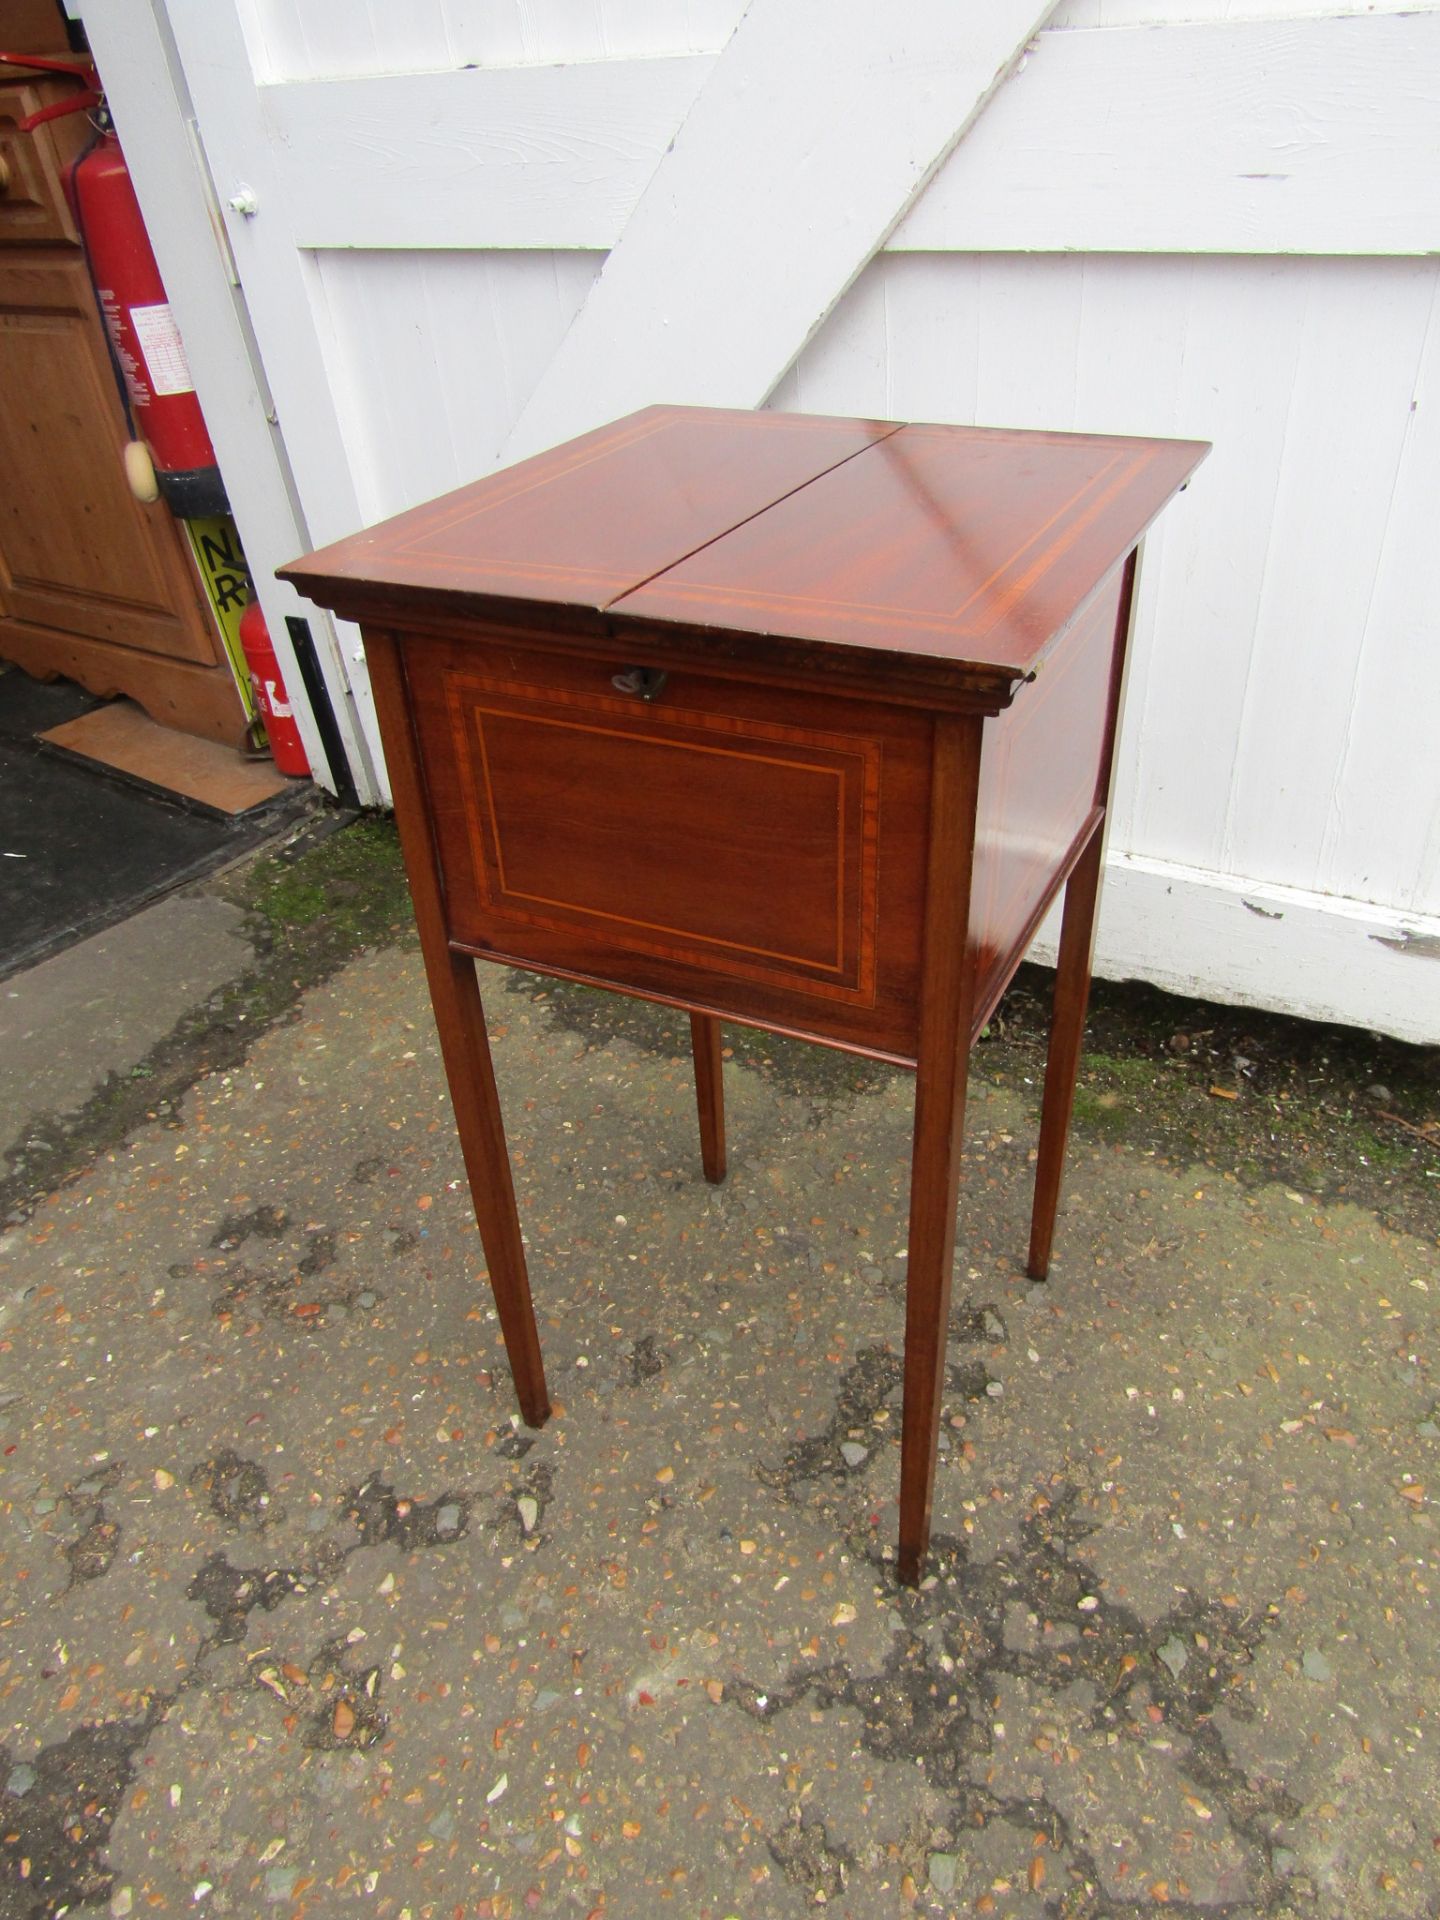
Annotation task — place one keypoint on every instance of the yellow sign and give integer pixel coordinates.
(226, 579)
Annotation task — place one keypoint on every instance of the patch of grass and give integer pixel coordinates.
(1104, 1113)
(1378, 1149)
(1332, 1111)
(1137, 1075)
(288, 901)
(350, 884)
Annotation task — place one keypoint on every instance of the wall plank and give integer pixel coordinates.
(435, 354)
(349, 39)
(1348, 425)
(1317, 135)
(1382, 831)
(545, 157)
(1144, 13)
(1238, 333)
(1252, 945)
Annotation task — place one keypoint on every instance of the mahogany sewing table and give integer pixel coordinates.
(794, 721)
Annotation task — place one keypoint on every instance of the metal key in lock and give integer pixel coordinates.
(647, 682)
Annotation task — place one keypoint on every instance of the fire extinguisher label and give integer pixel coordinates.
(163, 349)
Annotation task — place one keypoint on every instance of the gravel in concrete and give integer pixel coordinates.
(298, 1619)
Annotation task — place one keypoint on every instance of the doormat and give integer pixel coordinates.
(81, 849)
(123, 737)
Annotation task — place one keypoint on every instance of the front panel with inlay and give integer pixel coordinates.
(735, 844)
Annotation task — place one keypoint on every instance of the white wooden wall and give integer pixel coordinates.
(1213, 218)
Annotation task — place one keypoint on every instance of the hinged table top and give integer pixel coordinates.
(962, 545)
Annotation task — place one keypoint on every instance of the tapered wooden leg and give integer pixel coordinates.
(1067, 1027)
(464, 1043)
(709, 1094)
(934, 1189)
(465, 1047)
(947, 991)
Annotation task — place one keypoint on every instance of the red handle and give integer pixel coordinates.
(81, 70)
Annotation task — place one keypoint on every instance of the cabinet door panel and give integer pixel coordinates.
(32, 201)
(720, 843)
(79, 553)
(594, 818)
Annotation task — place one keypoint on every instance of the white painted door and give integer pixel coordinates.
(473, 231)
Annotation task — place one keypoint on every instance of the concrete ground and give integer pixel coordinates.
(296, 1618)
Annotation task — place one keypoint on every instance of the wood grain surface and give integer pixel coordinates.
(964, 543)
(965, 547)
(719, 844)
(584, 524)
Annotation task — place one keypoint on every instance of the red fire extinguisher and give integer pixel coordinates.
(171, 454)
(144, 337)
(275, 709)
